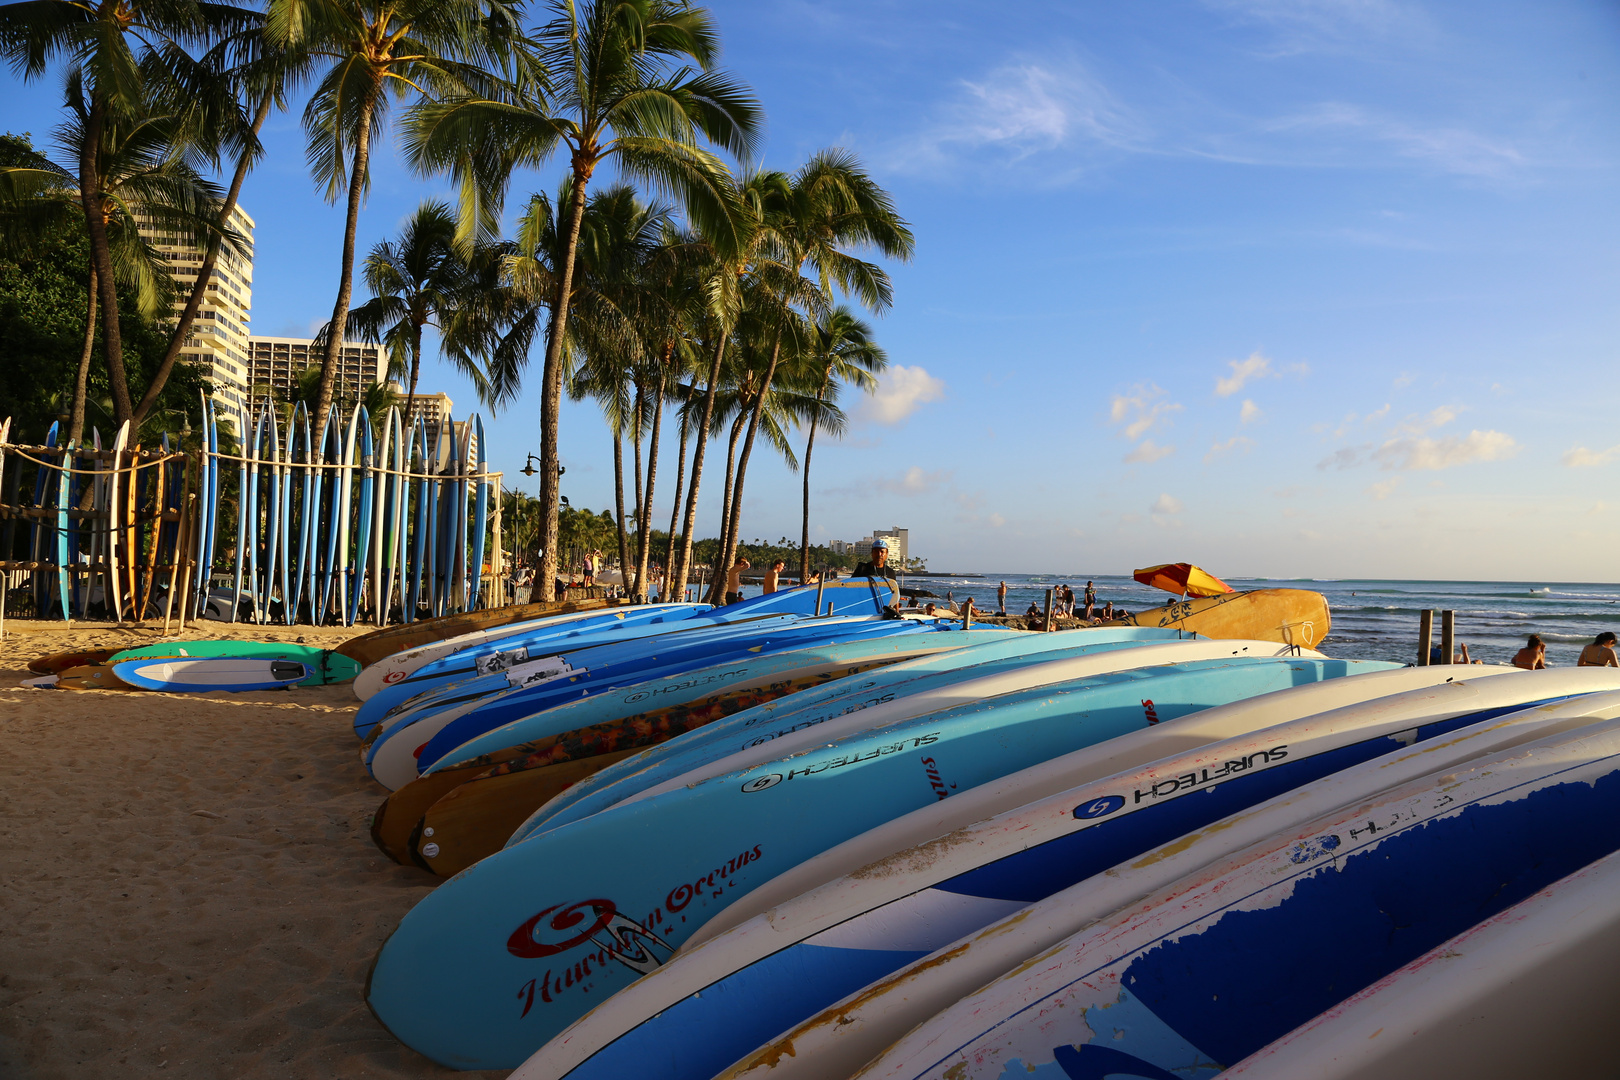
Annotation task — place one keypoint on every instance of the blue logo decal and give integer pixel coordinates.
(1100, 807)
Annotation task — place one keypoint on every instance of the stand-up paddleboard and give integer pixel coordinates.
(754, 727)
(250, 511)
(61, 484)
(208, 520)
(712, 1004)
(1338, 903)
(344, 569)
(244, 452)
(366, 485)
(202, 674)
(851, 1032)
(460, 519)
(118, 494)
(423, 515)
(797, 734)
(426, 733)
(400, 517)
(82, 495)
(480, 512)
(468, 821)
(56, 663)
(443, 438)
(1468, 1006)
(515, 649)
(274, 554)
(381, 553)
(374, 646)
(324, 666)
(330, 498)
(453, 981)
(283, 509)
(1289, 616)
(394, 669)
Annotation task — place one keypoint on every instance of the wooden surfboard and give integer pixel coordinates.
(56, 663)
(91, 677)
(369, 648)
(1290, 616)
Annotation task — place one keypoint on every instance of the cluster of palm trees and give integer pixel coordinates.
(715, 297)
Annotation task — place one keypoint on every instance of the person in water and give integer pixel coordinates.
(1600, 653)
(734, 581)
(772, 575)
(1533, 656)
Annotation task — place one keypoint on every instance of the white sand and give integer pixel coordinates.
(190, 888)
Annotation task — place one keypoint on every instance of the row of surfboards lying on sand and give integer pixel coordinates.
(693, 843)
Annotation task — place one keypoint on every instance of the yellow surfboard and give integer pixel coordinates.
(1290, 616)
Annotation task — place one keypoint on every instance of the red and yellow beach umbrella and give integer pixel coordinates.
(1183, 578)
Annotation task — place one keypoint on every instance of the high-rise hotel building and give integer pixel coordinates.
(276, 363)
(218, 341)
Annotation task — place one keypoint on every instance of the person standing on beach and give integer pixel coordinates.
(1533, 656)
(1091, 599)
(1001, 598)
(772, 575)
(1600, 653)
(734, 581)
(877, 566)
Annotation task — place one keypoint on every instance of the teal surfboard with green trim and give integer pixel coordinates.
(325, 666)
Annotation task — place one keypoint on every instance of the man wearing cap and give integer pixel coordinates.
(878, 567)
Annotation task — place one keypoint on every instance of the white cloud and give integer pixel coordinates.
(901, 391)
(1141, 411)
(915, 481)
(1255, 367)
(1147, 452)
(1582, 458)
(1250, 413)
(1384, 488)
(1166, 504)
(1422, 453)
(1418, 425)
(1346, 457)
(996, 521)
(1404, 379)
(1234, 443)
(1450, 149)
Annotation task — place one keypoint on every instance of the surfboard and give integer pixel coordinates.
(527, 692)
(1393, 876)
(203, 674)
(324, 666)
(716, 1002)
(365, 452)
(1289, 616)
(423, 514)
(453, 981)
(91, 677)
(504, 789)
(396, 667)
(765, 723)
(56, 663)
(1464, 1008)
(381, 553)
(331, 531)
(371, 647)
(118, 494)
(61, 484)
(853, 1031)
(480, 511)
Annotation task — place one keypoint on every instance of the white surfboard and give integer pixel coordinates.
(1394, 870)
(841, 1038)
(198, 674)
(1529, 992)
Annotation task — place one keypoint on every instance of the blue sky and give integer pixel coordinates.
(1284, 287)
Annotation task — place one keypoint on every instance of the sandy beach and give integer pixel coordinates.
(191, 890)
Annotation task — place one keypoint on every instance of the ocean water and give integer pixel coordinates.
(1372, 620)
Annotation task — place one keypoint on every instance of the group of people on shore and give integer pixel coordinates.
(1600, 653)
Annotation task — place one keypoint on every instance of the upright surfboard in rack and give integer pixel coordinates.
(331, 490)
(207, 510)
(366, 482)
(121, 507)
(434, 561)
(380, 550)
(419, 532)
(39, 531)
(480, 511)
(448, 529)
(305, 491)
(285, 534)
(63, 496)
(459, 520)
(82, 495)
(242, 500)
(397, 512)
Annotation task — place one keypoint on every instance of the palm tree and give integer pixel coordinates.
(374, 55)
(112, 49)
(810, 218)
(419, 281)
(140, 180)
(844, 346)
(614, 99)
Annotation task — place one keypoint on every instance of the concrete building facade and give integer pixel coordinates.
(276, 362)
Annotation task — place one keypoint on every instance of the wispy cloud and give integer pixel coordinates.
(1164, 511)
(1582, 458)
(1421, 453)
(1147, 452)
(1384, 488)
(1236, 442)
(1250, 412)
(1447, 148)
(1256, 366)
(901, 391)
(1140, 410)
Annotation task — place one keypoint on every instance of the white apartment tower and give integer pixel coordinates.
(219, 336)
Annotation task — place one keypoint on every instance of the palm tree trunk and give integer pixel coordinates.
(690, 521)
(632, 585)
(551, 396)
(674, 512)
(340, 310)
(748, 448)
(416, 372)
(188, 316)
(717, 587)
(809, 445)
(95, 226)
(81, 382)
(618, 497)
(644, 546)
